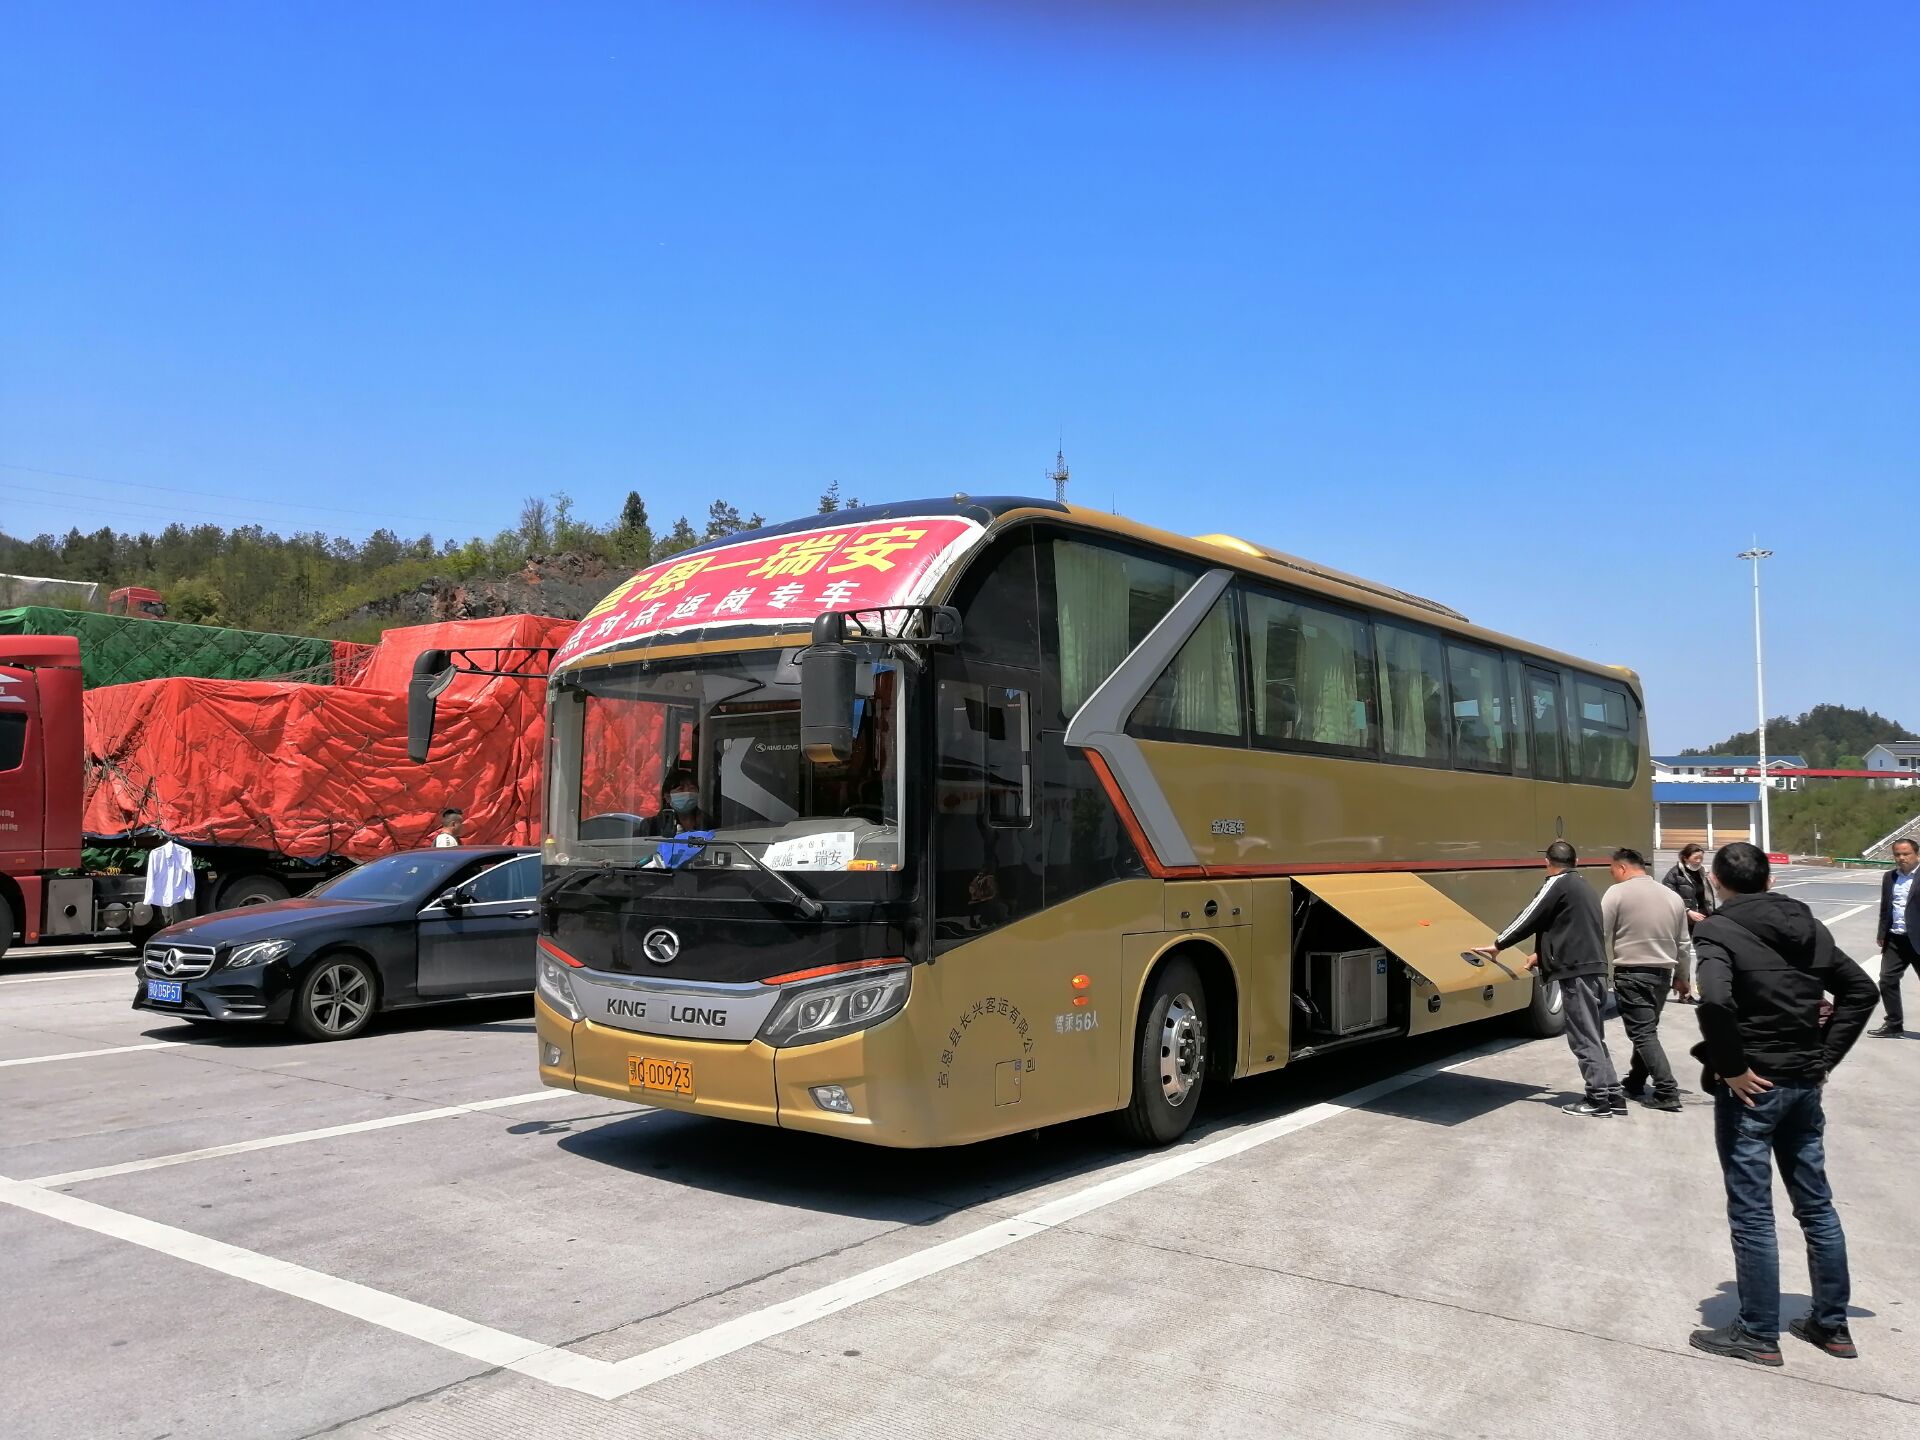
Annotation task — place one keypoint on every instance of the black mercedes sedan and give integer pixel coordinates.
(414, 929)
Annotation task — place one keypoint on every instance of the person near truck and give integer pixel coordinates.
(1565, 916)
(1764, 964)
(1899, 934)
(452, 821)
(1645, 923)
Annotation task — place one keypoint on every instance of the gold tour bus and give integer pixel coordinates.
(928, 822)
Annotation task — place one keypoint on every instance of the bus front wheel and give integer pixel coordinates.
(1170, 1057)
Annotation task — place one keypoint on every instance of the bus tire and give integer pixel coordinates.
(244, 890)
(1546, 1013)
(337, 999)
(1170, 1057)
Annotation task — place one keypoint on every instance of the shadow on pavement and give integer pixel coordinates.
(1723, 1307)
(510, 1014)
(842, 1177)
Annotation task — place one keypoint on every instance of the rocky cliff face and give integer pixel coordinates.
(566, 586)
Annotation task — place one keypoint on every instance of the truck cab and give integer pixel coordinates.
(137, 600)
(40, 770)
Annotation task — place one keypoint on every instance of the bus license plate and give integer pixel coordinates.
(671, 1077)
(167, 992)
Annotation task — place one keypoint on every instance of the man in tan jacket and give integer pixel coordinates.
(1645, 925)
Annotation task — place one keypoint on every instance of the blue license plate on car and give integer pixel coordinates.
(167, 992)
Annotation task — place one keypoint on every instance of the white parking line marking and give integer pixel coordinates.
(682, 1355)
(126, 974)
(610, 1380)
(299, 1137)
(1832, 920)
(89, 1054)
(390, 1312)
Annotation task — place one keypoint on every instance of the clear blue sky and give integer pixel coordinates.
(1541, 309)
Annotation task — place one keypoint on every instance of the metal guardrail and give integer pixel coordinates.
(1882, 849)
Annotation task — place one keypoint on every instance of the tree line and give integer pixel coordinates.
(1831, 737)
(309, 582)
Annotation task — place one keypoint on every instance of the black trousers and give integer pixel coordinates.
(1895, 960)
(1641, 993)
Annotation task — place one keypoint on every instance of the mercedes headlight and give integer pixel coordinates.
(821, 1012)
(258, 952)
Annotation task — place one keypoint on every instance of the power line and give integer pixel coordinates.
(214, 495)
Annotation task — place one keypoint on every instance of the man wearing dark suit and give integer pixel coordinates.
(1899, 932)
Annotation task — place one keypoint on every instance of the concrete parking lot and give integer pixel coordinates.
(235, 1234)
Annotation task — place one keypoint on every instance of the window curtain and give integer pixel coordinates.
(1333, 711)
(1091, 592)
(1206, 676)
(1406, 699)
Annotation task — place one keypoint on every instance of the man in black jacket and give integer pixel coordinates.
(1565, 914)
(1899, 934)
(1763, 963)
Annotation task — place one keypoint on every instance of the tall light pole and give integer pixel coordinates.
(1756, 555)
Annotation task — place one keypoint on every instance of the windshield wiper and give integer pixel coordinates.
(809, 907)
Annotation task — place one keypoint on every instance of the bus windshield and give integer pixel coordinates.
(658, 763)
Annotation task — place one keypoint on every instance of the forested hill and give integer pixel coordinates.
(553, 562)
(1832, 737)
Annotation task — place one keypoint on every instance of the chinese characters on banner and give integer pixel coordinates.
(779, 580)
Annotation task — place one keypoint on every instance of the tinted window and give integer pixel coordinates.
(986, 752)
(1608, 738)
(1543, 714)
(1197, 697)
(998, 603)
(517, 879)
(1413, 707)
(1106, 601)
(13, 741)
(1477, 682)
(398, 877)
(1312, 676)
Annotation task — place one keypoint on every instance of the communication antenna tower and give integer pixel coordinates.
(1059, 475)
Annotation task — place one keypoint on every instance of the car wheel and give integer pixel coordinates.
(245, 890)
(337, 998)
(1170, 1057)
(1546, 1014)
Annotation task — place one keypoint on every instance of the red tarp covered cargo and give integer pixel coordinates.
(318, 770)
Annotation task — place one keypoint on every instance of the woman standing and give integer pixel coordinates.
(1688, 880)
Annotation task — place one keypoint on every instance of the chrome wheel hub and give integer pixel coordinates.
(342, 995)
(1555, 998)
(1183, 1050)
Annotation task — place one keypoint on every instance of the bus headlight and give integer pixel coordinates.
(821, 1012)
(551, 980)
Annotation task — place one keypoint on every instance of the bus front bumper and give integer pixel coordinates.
(732, 1081)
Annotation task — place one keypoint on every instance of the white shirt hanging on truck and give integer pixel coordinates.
(170, 874)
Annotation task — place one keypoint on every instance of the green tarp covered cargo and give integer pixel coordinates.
(116, 649)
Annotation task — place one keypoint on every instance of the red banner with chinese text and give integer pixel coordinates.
(779, 580)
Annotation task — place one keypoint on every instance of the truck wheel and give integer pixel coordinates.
(251, 890)
(337, 998)
(1170, 1057)
(1546, 1014)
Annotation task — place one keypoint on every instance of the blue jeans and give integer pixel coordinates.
(1787, 1123)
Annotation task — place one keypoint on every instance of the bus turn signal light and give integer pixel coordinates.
(1081, 982)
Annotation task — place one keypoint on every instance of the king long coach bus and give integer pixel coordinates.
(927, 822)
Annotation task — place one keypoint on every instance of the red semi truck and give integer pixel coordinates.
(274, 786)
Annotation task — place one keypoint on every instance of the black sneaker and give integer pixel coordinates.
(1736, 1344)
(1836, 1341)
(1888, 1031)
(1588, 1108)
(1635, 1092)
(1665, 1102)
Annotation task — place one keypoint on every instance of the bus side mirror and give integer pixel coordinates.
(827, 674)
(432, 673)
